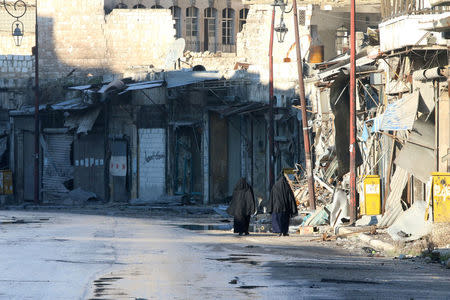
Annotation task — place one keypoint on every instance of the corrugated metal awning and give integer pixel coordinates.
(72, 104)
(180, 78)
(80, 87)
(26, 110)
(142, 86)
(84, 121)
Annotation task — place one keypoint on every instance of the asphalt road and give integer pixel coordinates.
(54, 255)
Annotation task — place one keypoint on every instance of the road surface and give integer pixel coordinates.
(61, 255)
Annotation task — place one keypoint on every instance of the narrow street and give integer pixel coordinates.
(73, 255)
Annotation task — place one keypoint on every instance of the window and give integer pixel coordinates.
(210, 21)
(176, 15)
(301, 17)
(227, 26)
(192, 21)
(156, 6)
(139, 6)
(121, 5)
(242, 18)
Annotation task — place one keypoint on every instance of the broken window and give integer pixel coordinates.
(176, 15)
(192, 21)
(227, 26)
(242, 18)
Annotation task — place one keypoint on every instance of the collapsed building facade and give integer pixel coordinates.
(402, 108)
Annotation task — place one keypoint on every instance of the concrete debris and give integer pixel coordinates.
(340, 207)
(319, 217)
(80, 196)
(368, 220)
(307, 230)
(410, 225)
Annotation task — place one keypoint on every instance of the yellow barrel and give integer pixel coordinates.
(371, 205)
(441, 197)
(316, 54)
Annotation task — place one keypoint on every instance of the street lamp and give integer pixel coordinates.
(17, 32)
(17, 11)
(281, 30)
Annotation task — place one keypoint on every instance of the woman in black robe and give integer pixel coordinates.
(242, 206)
(282, 206)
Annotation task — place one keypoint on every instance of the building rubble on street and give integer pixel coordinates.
(138, 107)
(402, 124)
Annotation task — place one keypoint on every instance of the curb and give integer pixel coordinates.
(377, 244)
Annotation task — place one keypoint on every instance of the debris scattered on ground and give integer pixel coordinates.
(411, 225)
(80, 196)
(366, 220)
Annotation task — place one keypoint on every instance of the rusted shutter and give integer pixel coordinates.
(57, 165)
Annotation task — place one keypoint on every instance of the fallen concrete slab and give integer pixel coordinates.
(411, 224)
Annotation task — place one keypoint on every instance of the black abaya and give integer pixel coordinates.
(242, 206)
(282, 205)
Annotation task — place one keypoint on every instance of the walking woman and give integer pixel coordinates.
(282, 206)
(242, 206)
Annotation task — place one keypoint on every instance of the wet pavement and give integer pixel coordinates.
(89, 256)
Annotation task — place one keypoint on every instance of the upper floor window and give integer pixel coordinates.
(192, 21)
(139, 6)
(156, 6)
(210, 21)
(176, 15)
(121, 5)
(228, 26)
(242, 18)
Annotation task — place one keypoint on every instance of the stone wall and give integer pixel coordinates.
(77, 39)
(15, 80)
(16, 66)
(138, 37)
(196, 43)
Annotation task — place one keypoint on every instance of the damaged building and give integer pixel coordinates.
(402, 112)
(181, 106)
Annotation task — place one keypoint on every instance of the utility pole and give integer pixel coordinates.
(353, 144)
(36, 111)
(271, 104)
(301, 84)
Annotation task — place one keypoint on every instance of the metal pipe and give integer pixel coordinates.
(271, 104)
(36, 112)
(429, 74)
(353, 144)
(301, 84)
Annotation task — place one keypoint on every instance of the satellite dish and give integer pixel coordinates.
(175, 52)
